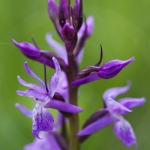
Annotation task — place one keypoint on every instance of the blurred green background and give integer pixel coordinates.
(123, 29)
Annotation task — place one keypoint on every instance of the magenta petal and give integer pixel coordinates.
(114, 92)
(132, 102)
(33, 94)
(124, 132)
(98, 125)
(42, 120)
(24, 110)
(57, 47)
(31, 73)
(62, 106)
(30, 85)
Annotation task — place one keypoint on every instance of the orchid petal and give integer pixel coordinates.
(98, 125)
(47, 143)
(115, 107)
(31, 73)
(62, 87)
(87, 79)
(62, 106)
(30, 85)
(33, 94)
(113, 67)
(131, 102)
(42, 120)
(79, 56)
(90, 26)
(114, 92)
(57, 47)
(55, 78)
(24, 110)
(124, 132)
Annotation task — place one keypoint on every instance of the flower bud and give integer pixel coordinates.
(28, 49)
(53, 10)
(112, 68)
(68, 32)
(78, 13)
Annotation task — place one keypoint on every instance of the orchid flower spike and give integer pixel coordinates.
(42, 120)
(113, 114)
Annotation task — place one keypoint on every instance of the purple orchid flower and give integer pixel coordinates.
(42, 120)
(115, 111)
(106, 71)
(48, 141)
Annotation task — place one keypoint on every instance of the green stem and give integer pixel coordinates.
(73, 99)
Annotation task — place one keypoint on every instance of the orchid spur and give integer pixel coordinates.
(112, 113)
(42, 120)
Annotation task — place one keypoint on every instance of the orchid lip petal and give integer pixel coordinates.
(24, 110)
(42, 120)
(62, 106)
(124, 132)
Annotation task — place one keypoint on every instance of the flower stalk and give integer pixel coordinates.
(73, 99)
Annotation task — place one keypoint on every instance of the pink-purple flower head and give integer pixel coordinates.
(106, 71)
(116, 110)
(42, 120)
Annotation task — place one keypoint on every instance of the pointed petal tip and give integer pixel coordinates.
(17, 105)
(131, 59)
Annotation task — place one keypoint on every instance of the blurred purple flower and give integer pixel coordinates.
(116, 110)
(106, 71)
(48, 142)
(42, 120)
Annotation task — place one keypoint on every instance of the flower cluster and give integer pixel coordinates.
(61, 92)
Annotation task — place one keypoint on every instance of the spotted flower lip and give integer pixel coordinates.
(116, 110)
(42, 120)
(49, 139)
(106, 71)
